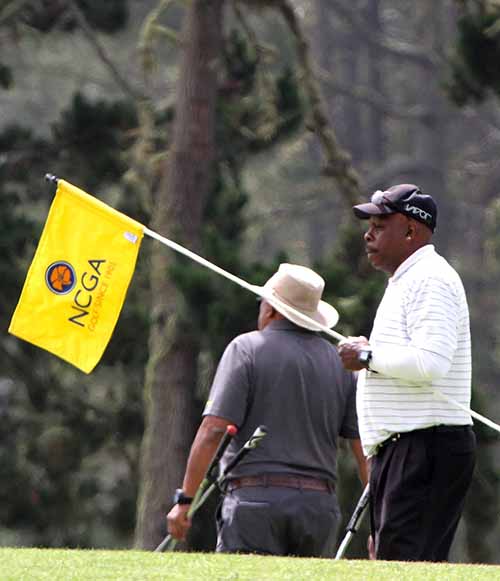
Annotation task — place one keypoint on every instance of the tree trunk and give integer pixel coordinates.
(171, 373)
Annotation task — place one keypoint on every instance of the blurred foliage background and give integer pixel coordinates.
(316, 104)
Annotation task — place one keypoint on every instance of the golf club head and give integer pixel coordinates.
(254, 441)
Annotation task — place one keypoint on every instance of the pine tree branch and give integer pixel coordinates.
(149, 30)
(126, 87)
(338, 161)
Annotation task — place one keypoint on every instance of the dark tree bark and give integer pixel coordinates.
(171, 374)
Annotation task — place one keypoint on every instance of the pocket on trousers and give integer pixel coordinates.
(234, 509)
(246, 526)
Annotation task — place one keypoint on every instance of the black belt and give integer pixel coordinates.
(441, 429)
(282, 480)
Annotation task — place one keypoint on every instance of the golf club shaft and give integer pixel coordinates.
(169, 542)
(343, 546)
(231, 430)
(359, 511)
(354, 522)
(211, 473)
(208, 486)
(250, 444)
(254, 441)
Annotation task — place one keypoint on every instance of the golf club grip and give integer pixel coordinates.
(250, 444)
(168, 543)
(358, 513)
(231, 430)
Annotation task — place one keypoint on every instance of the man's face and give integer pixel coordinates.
(386, 241)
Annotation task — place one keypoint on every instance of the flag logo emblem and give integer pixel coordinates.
(60, 277)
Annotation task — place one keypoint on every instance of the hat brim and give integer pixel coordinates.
(364, 211)
(325, 314)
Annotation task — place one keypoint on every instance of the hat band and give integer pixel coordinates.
(304, 310)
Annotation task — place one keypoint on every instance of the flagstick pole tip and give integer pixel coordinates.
(51, 178)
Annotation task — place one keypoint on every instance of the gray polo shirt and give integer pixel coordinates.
(292, 381)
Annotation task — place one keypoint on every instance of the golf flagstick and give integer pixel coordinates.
(211, 482)
(353, 524)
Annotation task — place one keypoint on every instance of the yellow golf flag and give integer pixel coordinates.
(77, 282)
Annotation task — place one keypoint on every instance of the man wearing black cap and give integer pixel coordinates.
(417, 360)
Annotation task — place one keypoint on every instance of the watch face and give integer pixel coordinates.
(365, 356)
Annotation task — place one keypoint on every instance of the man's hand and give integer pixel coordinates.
(349, 351)
(178, 523)
(371, 549)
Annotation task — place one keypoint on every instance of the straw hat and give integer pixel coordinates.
(301, 288)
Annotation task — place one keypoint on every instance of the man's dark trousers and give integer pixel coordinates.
(418, 484)
(278, 521)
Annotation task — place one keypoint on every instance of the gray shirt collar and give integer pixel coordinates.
(285, 325)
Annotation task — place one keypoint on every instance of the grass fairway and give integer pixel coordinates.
(72, 565)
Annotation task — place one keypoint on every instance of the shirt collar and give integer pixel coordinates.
(285, 325)
(418, 255)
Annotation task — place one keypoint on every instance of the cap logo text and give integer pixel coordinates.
(418, 211)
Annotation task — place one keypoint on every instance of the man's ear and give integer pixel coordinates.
(410, 230)
(272, 311)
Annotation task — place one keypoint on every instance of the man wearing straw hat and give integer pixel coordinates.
(414, 391)
(280, 499)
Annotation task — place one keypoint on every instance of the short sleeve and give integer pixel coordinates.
(230, 392)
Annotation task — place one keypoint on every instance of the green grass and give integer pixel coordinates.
(72, 565)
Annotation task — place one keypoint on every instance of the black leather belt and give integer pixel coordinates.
(282, 480)
(441, 429)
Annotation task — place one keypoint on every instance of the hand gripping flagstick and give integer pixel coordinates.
(210, 482)
(259, 291)
(355, 521)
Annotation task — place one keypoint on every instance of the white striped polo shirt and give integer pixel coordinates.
(420, 341)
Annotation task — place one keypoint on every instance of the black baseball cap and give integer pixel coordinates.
(406, 199)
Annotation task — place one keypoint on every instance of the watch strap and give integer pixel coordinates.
(181, 498)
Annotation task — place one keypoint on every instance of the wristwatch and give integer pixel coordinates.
(181, 498)
(365, 357)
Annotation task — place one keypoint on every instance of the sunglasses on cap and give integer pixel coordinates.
(394, 200)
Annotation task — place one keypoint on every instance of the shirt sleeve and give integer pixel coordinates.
(230, 395)
(349, 427)
(409, 363)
